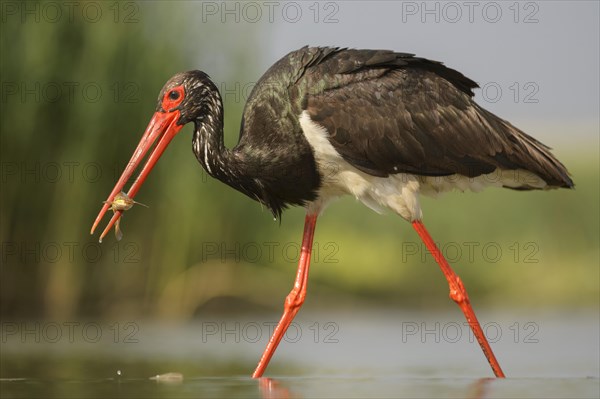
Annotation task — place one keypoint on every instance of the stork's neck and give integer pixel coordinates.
(208, 142)
(232, 167)
(274, 175)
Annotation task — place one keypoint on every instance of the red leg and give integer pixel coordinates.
(295, 299)
(458, 293)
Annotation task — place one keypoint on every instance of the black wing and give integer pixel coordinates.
(389, 113)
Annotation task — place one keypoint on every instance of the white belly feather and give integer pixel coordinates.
(398, 192)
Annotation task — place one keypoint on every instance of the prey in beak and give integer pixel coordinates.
(121, 202)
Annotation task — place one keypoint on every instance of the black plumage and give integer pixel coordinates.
(390, 113)
(385, 113)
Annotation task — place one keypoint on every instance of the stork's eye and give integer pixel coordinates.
(173, 98)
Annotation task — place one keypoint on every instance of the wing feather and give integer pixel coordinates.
(389, 113)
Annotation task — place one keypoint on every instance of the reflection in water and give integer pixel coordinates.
(479, 388)
(272, 389)
(168, 378)
(322, 386)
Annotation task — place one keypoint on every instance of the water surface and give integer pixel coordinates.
(340, 354)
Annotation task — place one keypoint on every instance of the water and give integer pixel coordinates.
(305, 387)
(339, 354)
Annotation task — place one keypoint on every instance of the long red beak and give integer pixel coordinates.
(162, 127)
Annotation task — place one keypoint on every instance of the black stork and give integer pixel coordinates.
(324, 122)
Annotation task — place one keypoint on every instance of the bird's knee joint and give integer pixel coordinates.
(457, 296)
(457, 292)
(294, 300)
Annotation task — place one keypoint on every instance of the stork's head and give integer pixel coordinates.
(186, 97)
(189, 96)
